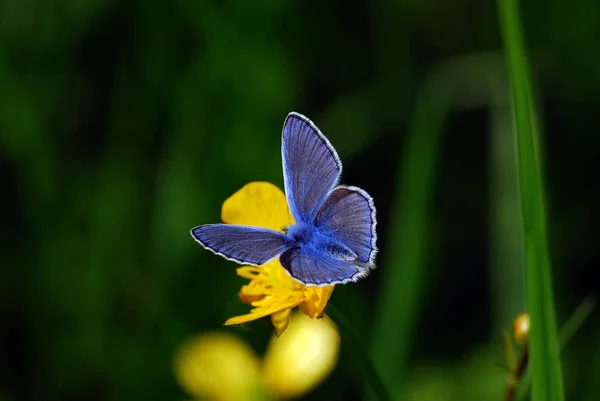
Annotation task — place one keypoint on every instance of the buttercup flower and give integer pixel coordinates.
(302, 358)
(218, 366)
(271, 290)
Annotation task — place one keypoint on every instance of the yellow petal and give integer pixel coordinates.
(281, 320)
(316, 300)
(259, 204)
(302, 357)
(217, 366)
(249, 272)
(250, 294)
(267, 306)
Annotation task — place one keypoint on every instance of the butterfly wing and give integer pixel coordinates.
(311, 166)
(242, 244)
(348, 218)
(312, 267)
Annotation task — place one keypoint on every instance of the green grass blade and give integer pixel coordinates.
(403, 287)
(547, 382)
(506, 246)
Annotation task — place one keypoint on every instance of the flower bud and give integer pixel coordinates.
(521, 329)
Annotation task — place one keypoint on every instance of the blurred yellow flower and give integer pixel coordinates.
(302, 358)
(217, 366)
(221, 367)
(271, 290)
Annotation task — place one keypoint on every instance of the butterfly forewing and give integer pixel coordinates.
(242, 244)
(348, 217)
(311, 167)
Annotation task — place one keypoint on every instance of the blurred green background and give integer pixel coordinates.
(125, 124)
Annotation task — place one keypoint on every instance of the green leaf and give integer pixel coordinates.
(547, 382)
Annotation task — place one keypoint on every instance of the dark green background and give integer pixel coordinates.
(123, 124)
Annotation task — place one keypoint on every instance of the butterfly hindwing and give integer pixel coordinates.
(241, 244)
(348, 218)
(313, 267)
(311, 166)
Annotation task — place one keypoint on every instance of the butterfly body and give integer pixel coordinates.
(302, 233)
(308, 237)
(333, 240)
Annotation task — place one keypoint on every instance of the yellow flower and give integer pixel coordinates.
(271, 290)
(221, 367)
(302, 358)
(205, 363)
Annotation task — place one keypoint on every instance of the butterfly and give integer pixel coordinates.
(333, 240)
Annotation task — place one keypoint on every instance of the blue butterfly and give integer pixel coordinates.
(333, 240)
